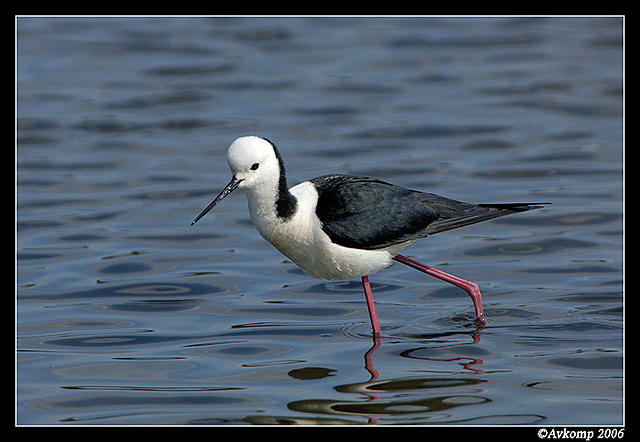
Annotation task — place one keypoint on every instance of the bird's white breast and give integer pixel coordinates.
(302, 240)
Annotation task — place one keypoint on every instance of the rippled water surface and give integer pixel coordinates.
(127, 315)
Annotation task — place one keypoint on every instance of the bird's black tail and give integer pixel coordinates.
(475, 213)
(516, 207)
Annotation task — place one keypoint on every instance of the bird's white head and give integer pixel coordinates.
(258, 169)
(254, 162)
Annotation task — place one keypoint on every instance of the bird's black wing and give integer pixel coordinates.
(368, 213)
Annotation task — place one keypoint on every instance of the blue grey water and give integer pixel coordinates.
(127, 315)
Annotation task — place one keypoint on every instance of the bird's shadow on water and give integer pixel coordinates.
(434, 342)
(412, 399)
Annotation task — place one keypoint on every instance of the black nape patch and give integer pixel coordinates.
(286, 204)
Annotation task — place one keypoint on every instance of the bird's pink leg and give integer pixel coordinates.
(470, 287)
(371, 306)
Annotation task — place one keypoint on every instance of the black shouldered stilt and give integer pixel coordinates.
(340, 227)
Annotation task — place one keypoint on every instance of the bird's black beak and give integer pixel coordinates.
(233, 185)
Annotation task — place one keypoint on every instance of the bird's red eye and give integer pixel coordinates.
(254, 166)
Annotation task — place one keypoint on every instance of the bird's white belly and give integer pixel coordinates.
(314, 253)
(302, 240)
(320, 258)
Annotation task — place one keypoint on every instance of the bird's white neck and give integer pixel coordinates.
(262, 203)
(266, 203)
